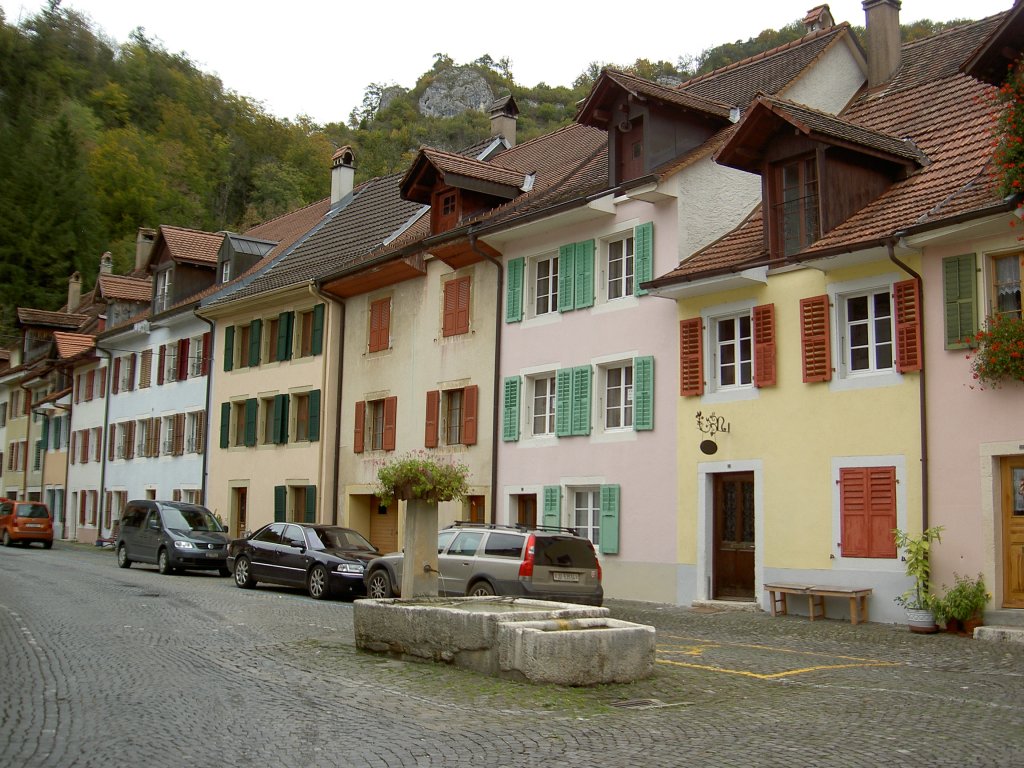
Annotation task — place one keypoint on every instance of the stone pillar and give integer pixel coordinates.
(420, 547)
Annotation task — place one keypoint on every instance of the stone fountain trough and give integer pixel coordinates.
(516, 638)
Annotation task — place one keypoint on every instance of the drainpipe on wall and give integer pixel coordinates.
(315, 290)
(103, 443)
(496, 394)
(922, 400)
(209, 410)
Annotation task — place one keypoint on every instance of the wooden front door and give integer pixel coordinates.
(240, 503)
(526, 510)
(734, 536)
(1013, 531)
(384, 525)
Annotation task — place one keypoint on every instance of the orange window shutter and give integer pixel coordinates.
(853, 511)
(471, 397)
(764, 345)
(462, 317)
(161, 363)
(433, 411)
(881, 483)
(907, 301)
(115, 382)
(815, 338)
(357, 440)
(691, 357)
(390, 423)
(451, 304)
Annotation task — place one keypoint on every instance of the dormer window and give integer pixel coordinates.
(225, 271)
(630, 149)
(162, 294)
(446, 210)
(795, 207)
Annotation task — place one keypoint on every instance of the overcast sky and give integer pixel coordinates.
(315, 57)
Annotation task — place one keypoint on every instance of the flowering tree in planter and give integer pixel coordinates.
(999, 353)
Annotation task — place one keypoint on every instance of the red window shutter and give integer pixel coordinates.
(115, 383)
(85, 446)
(103, 381)
(907, 301)
(206, 354)
(81, 507)
(129, 440)
(71, 453)
(183, 345)
(470, 398)
(867, 505)
(200, 431)
(433, 412)
(764, 345)
(816, 339)
(179, 434)
(456, 306)
(78, 388)
(90, 383)
(131, 371)
(390, 423)
(450, 308)
(160, 365)
(357, 440)
(380, 325)
(111, 441)
(691, 357)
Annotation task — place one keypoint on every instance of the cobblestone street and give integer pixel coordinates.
(102, 666)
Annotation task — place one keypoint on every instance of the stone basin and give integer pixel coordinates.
(512, 637)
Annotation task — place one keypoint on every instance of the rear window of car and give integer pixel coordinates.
(564, 552)
(32, 510)
(503, 545)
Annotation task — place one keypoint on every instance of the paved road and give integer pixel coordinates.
(101, 666)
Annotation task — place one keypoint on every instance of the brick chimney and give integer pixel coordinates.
(882, 19)
(504, 112)
(144, 247)
(74, 292)
(106, 263)
(343, 173)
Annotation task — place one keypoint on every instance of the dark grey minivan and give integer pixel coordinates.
(172, 534)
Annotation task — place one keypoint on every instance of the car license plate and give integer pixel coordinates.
(562, 576)
(34, 525)
(213, 554)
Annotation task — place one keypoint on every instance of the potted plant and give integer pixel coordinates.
(418, 475)
(998, 356)
(965, 602)
(918, 600)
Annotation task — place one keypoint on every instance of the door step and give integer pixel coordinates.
(728, 605)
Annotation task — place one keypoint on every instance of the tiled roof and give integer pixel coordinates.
(460, 165)
(767, 72)
(125, 288)
(638, 86)
(948, 116)
(42, 317)
(71, 344)
(191, 245)
(286, 229)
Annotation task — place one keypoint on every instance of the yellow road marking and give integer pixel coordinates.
(775, 675)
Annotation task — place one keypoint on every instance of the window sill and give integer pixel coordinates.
(734, 395)
(865, 381)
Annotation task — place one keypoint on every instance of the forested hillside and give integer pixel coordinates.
(98, 138)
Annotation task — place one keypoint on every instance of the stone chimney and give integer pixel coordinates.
(106, 264)
(819, 17)
(343, 174)
(504, 112)
(74, 292)
(882, 19)
(144, 247)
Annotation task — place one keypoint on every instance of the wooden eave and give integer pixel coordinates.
(459, 253)
(492, 188)
(991, 62)
(372, 278)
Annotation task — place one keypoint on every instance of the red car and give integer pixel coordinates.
(24, 522)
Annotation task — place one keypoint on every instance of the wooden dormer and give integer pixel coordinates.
(647, 124)
(817, 170)
(457, 187)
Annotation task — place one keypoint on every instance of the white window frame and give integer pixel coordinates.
(991, 299)
(170, 362)
(141, 437)
(162, 291)
(622, 283)
(623, 389)
(167, 436)
(195, 347)
(192, 432)
(225, 271)
(838, 293)
(374, 425)
(551, 295)
(549, 403)
(586, 499)
(451, 428)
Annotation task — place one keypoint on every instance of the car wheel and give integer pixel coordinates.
(317, 584)
(122, 557)
(47, 545)
(481, 589)
(224, 571)
(8, 541)
(243, 573)
(163, 562)
(379, 585)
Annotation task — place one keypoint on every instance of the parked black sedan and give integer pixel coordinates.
(325, 559)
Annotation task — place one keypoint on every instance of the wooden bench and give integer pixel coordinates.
(816, 595)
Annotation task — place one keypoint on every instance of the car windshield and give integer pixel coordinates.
(190, 519)
(339, 538)
(32, 510)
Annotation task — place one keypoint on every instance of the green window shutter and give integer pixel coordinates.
(251, 410)
(581, 378)
(566, 274)
(225, 424)
(255, 334)
(514, 291)
(284, 335)
(280, 503)
(317, 343)
(609, 519)
(45, 439)
(310, 504)
(314, 415)
(280, 429)
(563, 402)
(643, 256)
(510, 410)
(584, 274)
(643, 393)
(229, 348)
(959, 284)
(552, 515)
